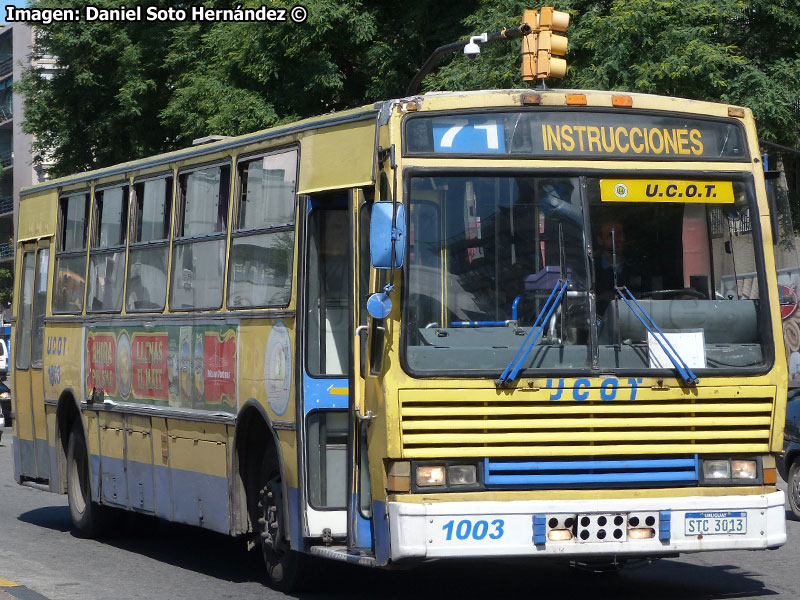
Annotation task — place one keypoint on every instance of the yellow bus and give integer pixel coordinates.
(480, 324)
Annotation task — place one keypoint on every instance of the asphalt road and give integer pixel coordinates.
(38, 552)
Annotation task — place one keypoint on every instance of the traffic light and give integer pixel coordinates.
(530, 45)
(541, 46)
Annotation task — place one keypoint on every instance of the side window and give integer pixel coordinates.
(69, 285)
(262, 245)
(149, 248)
(107, 255)
(198, 257)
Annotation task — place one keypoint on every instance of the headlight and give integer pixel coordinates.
(5, 395)
(716, 469)
(430, 475)
(462, 475)
(744, 469)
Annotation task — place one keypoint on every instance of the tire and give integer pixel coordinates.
(89, 519)
(794, 487)
(286, 568)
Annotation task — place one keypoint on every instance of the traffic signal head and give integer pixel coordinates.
(541, 46)
(553, 19)
(530, 45)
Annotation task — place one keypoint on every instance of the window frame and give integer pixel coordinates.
(763, 314)
(62, 253)
(150, 244)
(237, 233)
(179, 214)
(96, 250)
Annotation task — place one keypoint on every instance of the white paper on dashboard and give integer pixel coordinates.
(689, 345)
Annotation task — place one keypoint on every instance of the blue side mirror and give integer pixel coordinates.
(379, 305)
(382, 235)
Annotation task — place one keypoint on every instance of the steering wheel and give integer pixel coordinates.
(664, 294)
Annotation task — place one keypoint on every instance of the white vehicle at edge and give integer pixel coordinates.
(3, 358)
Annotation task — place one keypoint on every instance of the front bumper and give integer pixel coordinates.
(519, 528)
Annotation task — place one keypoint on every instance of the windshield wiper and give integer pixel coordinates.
(680, 365)
(512, 370)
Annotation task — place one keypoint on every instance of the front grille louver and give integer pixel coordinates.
(464, 423)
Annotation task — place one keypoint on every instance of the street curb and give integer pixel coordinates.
(20, 592)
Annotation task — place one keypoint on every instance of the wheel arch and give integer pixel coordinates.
(253, 437)
(68, 411)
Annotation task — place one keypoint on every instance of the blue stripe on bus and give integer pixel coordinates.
(331, 392)
(196, 493)
(42, 458)
(581, 465)
(499, 480)
(511, 473)
(294, 519)
(140, 486)
(190, 495)
(664, 525)
(54, 483)
(380, 524)
(15, 449)
(26, 462)
(163, 507)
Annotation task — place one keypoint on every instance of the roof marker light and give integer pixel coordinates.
(576, 99)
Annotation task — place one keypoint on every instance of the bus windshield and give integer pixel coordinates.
(485, 253)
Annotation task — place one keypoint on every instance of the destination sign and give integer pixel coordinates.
(578, 134)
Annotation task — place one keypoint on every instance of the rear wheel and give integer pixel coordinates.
(286, 568)
(794, 487)
(89, 519)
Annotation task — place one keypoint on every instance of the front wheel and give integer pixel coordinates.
(286, 568)
(89, 520)
(794, 487)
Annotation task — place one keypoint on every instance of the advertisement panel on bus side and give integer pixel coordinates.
(180, 366)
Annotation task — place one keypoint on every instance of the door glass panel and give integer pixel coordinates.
(39, 299)
(328, 306)
(23, 349)
(327, 459)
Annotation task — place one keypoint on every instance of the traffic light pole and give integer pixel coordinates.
(505, 34)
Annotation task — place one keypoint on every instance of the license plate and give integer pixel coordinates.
(715, 523)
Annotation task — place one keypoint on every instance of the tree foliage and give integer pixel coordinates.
(6, 287)
(123, 90)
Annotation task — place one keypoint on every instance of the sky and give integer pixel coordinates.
(3, 11)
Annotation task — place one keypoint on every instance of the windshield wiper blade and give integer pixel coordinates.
(650, 325)
(512, 370)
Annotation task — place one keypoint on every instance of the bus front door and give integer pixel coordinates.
(28, 384)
